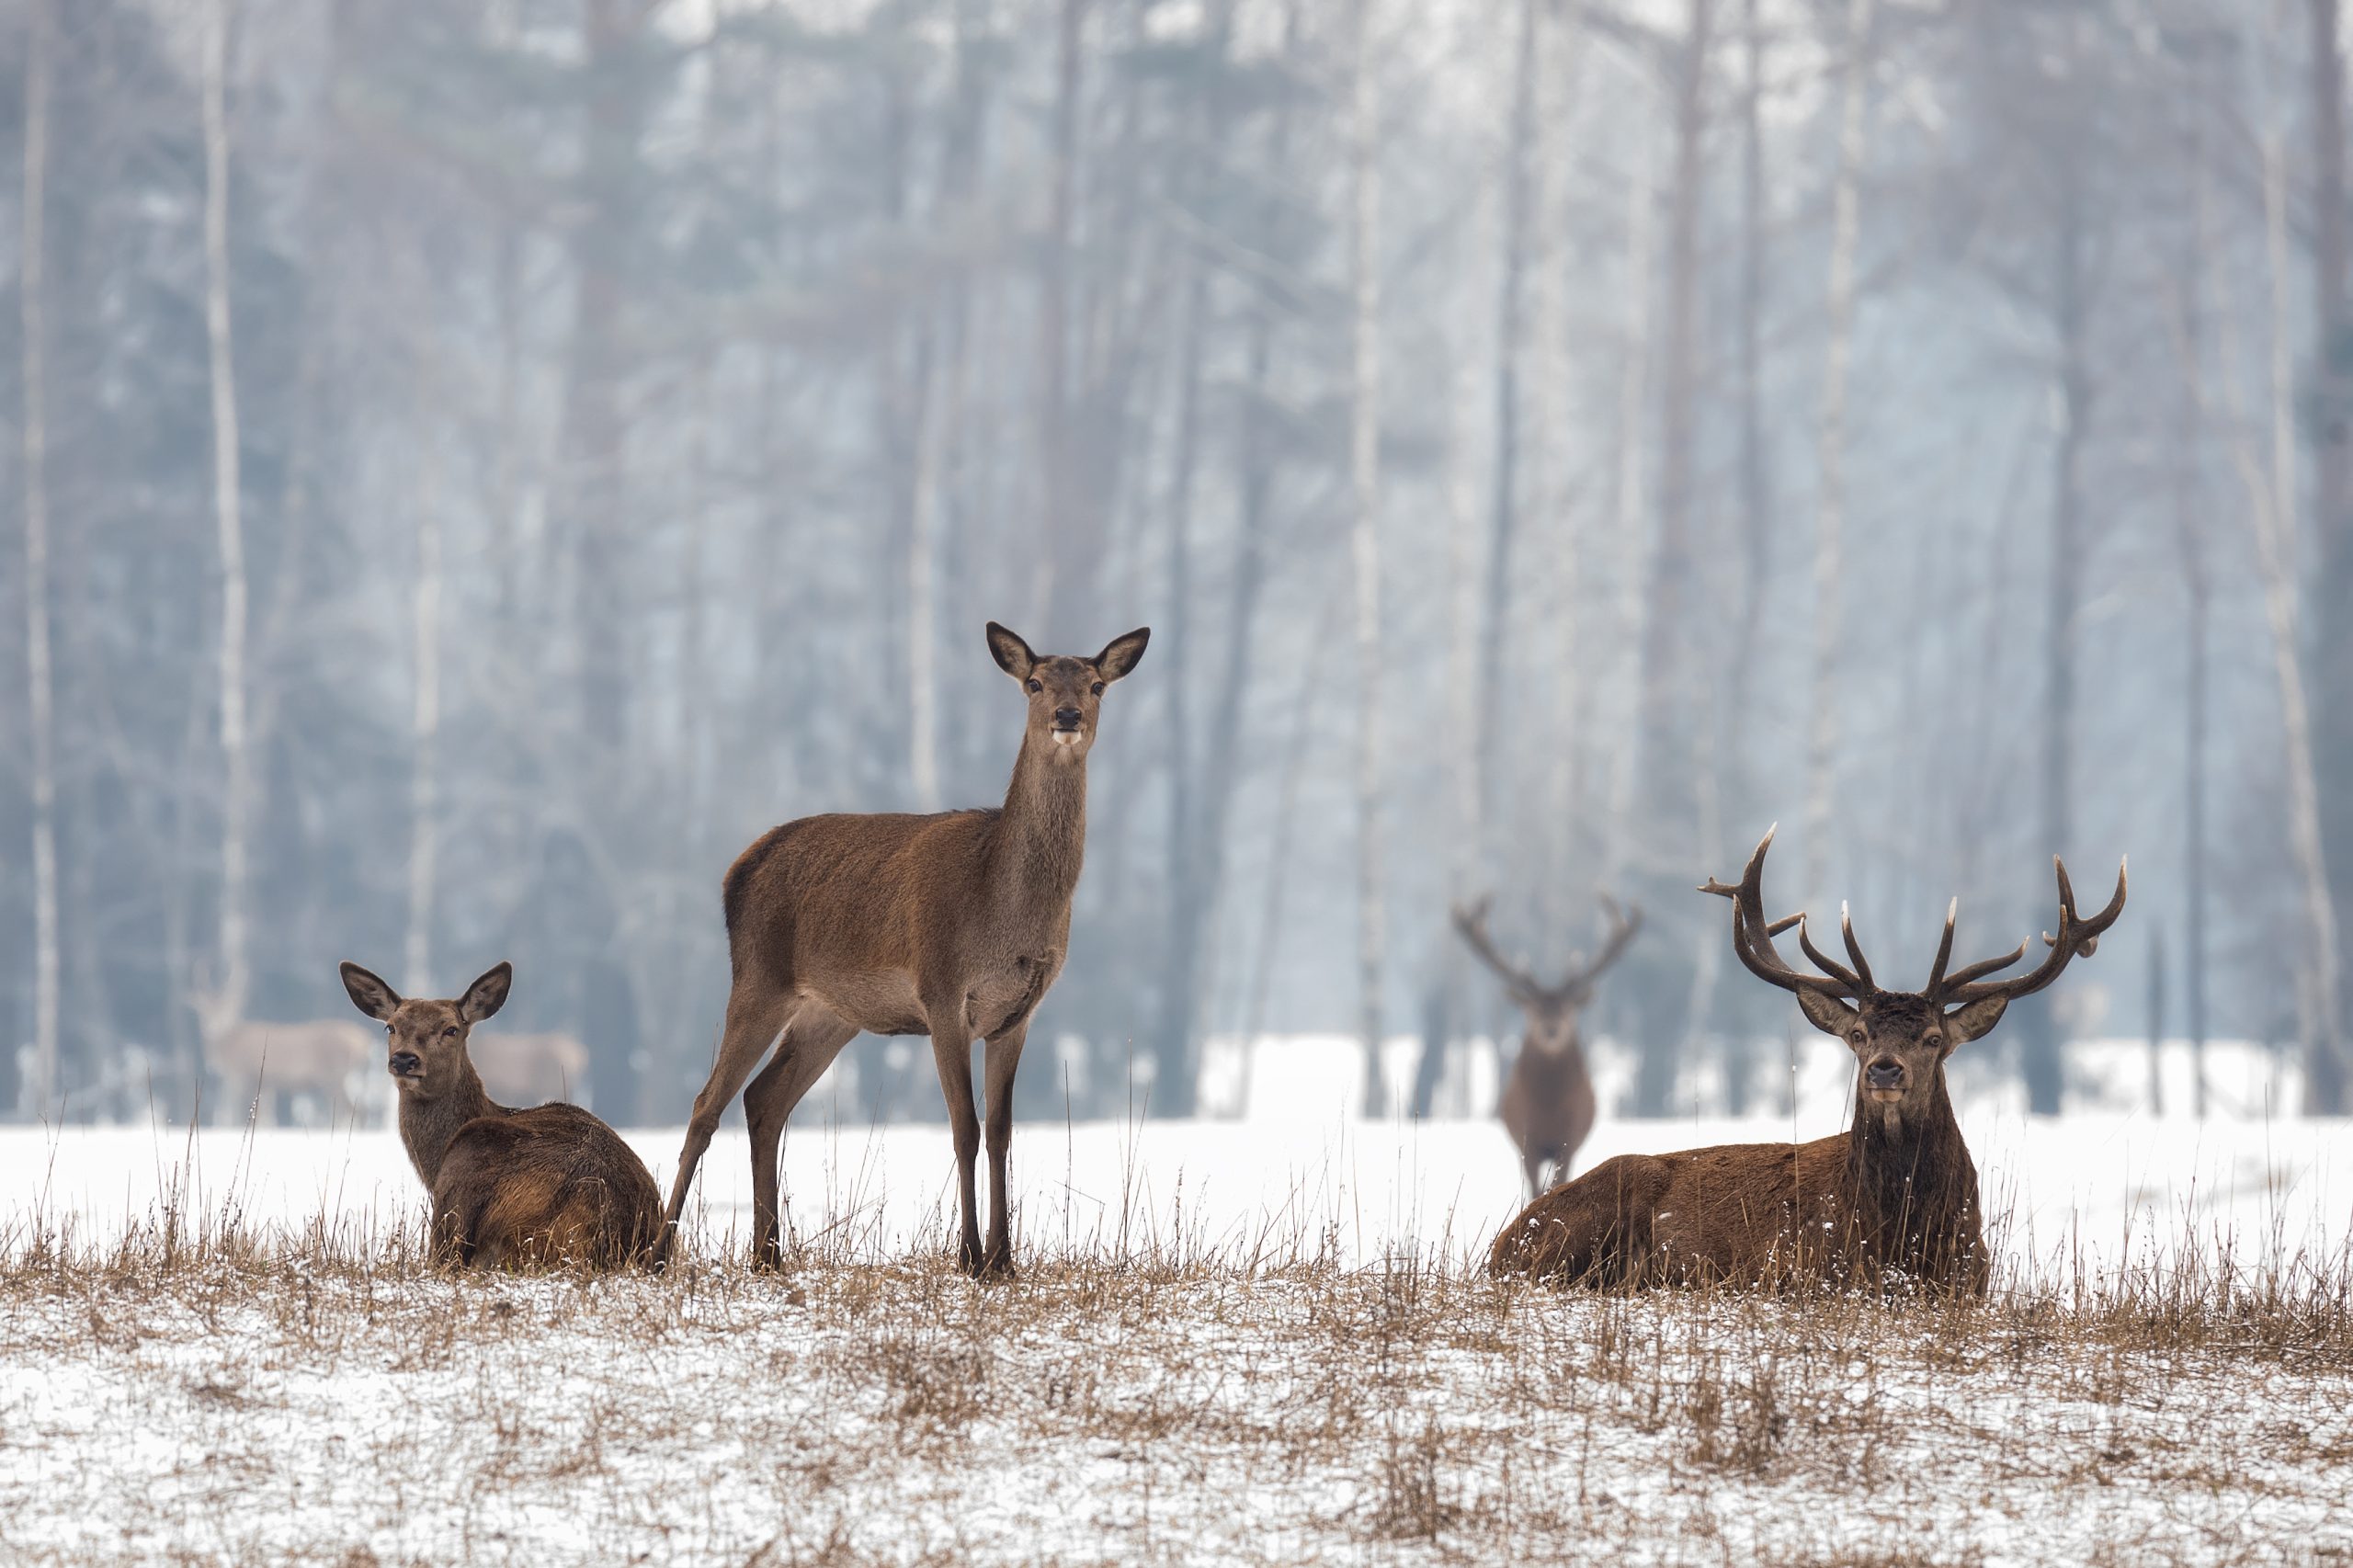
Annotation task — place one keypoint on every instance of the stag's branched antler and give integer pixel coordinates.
(1752, 934)
(1471, 922)
(2075, 937)
(1623, 926)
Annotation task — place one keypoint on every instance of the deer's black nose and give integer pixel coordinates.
(1067, 718)
(1885, 1074)
(405, 1063)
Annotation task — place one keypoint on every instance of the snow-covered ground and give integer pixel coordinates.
(1229, 1345)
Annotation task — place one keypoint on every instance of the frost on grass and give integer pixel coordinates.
(205, 1394)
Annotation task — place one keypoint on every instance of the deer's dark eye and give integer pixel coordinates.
(449, 1033)
(1036, 685)
(1098, 688)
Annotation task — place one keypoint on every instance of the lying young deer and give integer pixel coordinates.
(1894, 1195)
(950, 925)
(1547, 1105)
(517, 1188)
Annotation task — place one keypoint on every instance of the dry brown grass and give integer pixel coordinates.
(199, 1391)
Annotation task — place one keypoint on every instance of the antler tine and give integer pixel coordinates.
(1823, 960)
(1752, 934)
(1854, 948)
(2076, 938)
(1472, 922)
(1944, 947)
(1623, 926)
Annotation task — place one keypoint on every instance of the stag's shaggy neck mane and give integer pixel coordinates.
(1039, 837)
(428, 1126)
(1911, 1188)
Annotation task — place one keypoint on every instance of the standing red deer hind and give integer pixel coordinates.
(951, 925)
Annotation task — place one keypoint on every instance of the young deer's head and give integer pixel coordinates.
(1066, 692)
(1550, 1012)
(425, 1041)
(1901, 1038)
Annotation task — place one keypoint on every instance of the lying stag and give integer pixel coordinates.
(1548, 1104)
(517, 1189)
(950, 925)
(1894, 1195)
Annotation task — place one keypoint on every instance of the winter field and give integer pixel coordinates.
(1258, 1339)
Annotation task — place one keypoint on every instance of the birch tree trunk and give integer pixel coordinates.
(2040, 1041)
(425, 719)
(1504, 512)
(34, 299)
(228, 515)
(1364, 472)
(1633, 403)
(2275, 533)
(2190, 538)
(2326, 1072)
(1830, 447)
(1664, 730)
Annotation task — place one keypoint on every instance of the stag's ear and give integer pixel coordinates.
(1123, 653)
(1012, 655)
(370, 994)
(1977, 1021)
(1827, 1013)
(488, 995)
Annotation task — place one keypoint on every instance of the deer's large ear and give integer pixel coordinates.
(1012, 655)
(1123, 653)
(1977, 1021)
(488, 995)
(1827, 1013)
(370, 994)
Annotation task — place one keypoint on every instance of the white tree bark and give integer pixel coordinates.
(42, 1090)
(923, 609)
(2275, 534)
(235, 976)
(1830, 490)
(1364, 470)
(1633, 504)
(425, 721)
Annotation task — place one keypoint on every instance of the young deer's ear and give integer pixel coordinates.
(1977, 1021)
(1827, 1013)
(1123, 653)
(488, 995)
(370, 994)
(1012, 655)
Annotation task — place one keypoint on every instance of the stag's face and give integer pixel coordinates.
(1900, 1039)
(424, 1043)
(1552, 1020)
(1066, 692)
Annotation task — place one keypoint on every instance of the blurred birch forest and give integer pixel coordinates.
(470, 465)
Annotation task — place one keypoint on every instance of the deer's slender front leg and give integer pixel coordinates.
(1002, 1061)
(951, 1053)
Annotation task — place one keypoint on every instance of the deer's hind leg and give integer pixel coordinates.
(757, 1010)
(812, 1040)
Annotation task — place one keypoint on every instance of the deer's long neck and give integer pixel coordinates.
(1910, 1180)
(428, 1126)
(1042, 836)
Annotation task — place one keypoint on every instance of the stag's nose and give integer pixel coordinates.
(406, 1063)
(1067, 718)
(1885, 1074)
